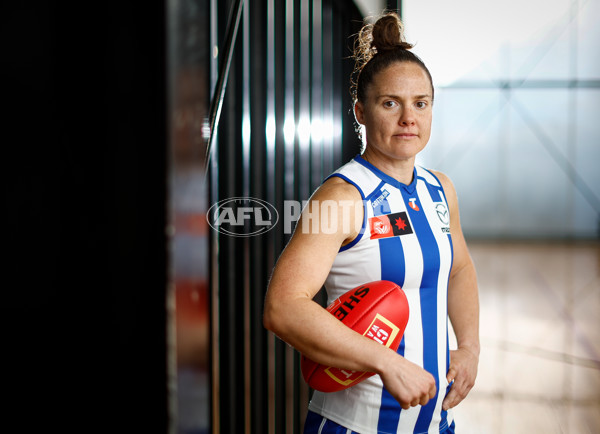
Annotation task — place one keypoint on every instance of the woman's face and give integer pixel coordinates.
(397, 111)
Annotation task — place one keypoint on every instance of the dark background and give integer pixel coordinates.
(84, 145)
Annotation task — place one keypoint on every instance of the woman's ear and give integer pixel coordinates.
(359, 112)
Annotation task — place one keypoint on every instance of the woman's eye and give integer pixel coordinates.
(389, 104)
(421, 104)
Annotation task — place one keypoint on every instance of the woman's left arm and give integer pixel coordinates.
(463, 307)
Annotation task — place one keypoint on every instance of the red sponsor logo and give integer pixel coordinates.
(413, 203)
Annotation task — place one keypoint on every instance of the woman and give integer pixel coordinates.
(426, 255)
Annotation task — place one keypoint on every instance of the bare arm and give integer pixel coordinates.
(291, 313)
(463, 307)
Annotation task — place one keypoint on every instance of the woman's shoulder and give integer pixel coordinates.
(337, 189)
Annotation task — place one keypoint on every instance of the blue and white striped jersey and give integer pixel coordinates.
(405, 238)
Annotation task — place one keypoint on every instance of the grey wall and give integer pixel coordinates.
(516, 128)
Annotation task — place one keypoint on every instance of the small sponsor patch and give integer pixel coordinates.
(390, 225)
(384, 194)
(443, 216)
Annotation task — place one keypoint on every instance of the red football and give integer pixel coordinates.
(377, 310)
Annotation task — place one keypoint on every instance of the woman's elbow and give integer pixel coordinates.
(268, 321)
(271, 318)
(277, 317)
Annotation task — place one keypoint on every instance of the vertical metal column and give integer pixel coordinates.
(303, 120)
(316, 114)
(330, 124)
(246, 133)
(213, 175)
(289, 124)
(270, 172)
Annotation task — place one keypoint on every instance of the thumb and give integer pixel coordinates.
(451, 374)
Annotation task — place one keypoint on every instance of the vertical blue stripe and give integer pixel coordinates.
(434, 192)
(389, 411)
(392, 269)
(428, 296)
(392, 260)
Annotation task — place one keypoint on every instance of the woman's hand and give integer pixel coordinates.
(463, 370)
(408, 383)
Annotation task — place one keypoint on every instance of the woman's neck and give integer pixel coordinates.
(400, 170)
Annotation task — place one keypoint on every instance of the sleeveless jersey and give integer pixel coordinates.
(405, 238)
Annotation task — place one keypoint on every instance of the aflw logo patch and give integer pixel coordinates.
(390, 225)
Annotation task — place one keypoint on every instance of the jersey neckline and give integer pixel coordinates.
(410, 188)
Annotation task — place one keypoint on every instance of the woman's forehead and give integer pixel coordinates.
(401, 79)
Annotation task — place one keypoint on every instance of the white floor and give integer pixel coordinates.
(540, 340)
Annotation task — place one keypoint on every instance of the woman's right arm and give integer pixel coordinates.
(290, 311)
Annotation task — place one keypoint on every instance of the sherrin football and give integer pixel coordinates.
(377, 310)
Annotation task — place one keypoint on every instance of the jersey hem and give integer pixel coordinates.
(363, 429)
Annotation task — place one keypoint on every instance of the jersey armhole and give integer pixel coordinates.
(364, 222)
(441, 186)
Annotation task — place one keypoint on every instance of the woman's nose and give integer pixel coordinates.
(407, 117)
